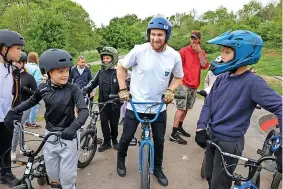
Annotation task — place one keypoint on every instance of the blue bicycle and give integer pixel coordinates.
(146, 147)
(240, 182)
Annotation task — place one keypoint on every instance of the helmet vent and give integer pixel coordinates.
(239, 39)
(62, 60)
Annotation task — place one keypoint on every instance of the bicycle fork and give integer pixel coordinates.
(146, 141)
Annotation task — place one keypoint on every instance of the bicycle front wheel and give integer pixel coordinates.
(88, 146)
(202, 170)
(145, 172)
(276, 180)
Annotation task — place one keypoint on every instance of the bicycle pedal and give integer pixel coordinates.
(260, 152)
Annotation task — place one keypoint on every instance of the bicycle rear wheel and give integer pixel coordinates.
(145, 172)
(88, 146)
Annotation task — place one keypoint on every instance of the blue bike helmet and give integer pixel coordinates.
(161, 23)
(247, 47)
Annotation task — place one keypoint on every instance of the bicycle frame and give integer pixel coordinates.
(146, 138)
(31, 154)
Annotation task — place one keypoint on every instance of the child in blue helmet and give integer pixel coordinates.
(231, 102)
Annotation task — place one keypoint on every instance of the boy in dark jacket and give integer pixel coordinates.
(106, 79)
(231, 102)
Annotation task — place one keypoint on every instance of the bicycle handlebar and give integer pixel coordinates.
(45, 138)
(234, 175)
(160, 104)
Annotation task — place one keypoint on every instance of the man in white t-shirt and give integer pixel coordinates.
(152, 63)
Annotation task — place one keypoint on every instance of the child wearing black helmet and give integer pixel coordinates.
(60, 98)
(10, 50)
(231, 102)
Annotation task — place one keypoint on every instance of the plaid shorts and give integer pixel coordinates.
(189, 101)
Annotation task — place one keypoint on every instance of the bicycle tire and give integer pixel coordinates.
(88, 139)
(22, 186)
(202, 170)
(145, 172)
(276, 180)
(41, 181)
(256, 177)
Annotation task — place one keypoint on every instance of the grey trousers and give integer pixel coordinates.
(16, 135)
(61, 161)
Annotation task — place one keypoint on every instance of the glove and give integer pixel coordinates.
(11, 117)
(278, 154)
(201, 138)
(124, 95)
(203, 93)
(168, 96)
(69, 133)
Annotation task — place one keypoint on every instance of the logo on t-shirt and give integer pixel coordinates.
(166, 73)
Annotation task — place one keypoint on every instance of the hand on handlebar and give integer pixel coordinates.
(124, 95)
(201, 138)
(11, 117)
(168, 96)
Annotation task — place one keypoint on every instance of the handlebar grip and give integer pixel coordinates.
(179, 96)
(113, 96)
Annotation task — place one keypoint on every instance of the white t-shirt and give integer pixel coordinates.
(150, 74)
(6, 85)
(81, 70)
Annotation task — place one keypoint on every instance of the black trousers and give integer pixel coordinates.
(109, 118)
(6, 136)
(158, 132)
(214, 170)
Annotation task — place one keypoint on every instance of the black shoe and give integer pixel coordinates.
(183, 132)
(175, 137)
(121, 168)
(122, 121)
(115, 144)
(162, 179)
(9, 179)
(104, 146)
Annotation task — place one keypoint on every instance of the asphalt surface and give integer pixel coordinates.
(181, 162)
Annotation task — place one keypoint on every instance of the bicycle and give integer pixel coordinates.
(31, 171)
(270, 146)
(250, 182)
(88, 136)
(146, 148)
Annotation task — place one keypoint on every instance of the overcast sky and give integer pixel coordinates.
(102, 11)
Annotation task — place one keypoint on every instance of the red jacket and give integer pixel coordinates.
(192, 66)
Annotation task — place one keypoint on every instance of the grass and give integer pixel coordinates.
(39, 118)
(93, 55)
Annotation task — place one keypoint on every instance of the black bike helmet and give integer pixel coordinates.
(55, 58)
(10, 38)
(24, 57)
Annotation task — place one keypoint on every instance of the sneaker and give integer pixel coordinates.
(27, 124)
(183, 132)
(34, 126)
(9, 179)
(104, 146)
(162, 179)
(122, 121)
(13, 156)
(175, 137)
(121, 168)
